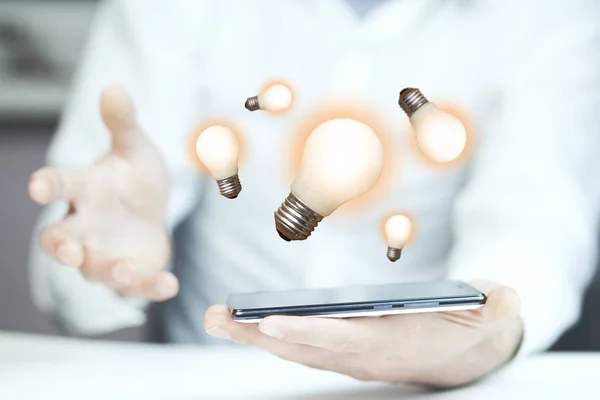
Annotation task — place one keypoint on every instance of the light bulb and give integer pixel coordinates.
(397, 232)
(342, 159)
(218, 149)
(276, 98)
(441, 137)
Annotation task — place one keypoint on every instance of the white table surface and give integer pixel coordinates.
(41, 367)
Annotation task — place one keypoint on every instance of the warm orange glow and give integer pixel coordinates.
(457, 112)
(281, 82)
(413, 231)
(201, 128)
(358, 112)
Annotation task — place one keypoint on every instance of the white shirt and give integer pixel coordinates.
(521, 211)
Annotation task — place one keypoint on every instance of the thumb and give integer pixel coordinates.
(119, 116)
(503, 302)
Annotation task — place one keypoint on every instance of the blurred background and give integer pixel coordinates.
(40, 44)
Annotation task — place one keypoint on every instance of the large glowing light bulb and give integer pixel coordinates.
(218, 149)
(342, 159)
(276, 97)
(441, 137)
(397, 232)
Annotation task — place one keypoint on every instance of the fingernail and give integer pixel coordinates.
(40, 190)
(164, 288)
(122, 274)
(219, 332)
(66, 254)
(271, 329)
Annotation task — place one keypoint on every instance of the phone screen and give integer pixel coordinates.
(353, 295)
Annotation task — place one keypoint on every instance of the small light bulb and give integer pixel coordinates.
(441, 137)
(342, 159)
(397, 232)
(277, 97)
(218, 149)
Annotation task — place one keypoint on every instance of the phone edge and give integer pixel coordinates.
(372, 312)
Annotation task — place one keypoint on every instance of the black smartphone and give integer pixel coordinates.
(357, 301)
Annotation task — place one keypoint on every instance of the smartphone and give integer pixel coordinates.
(357, 301)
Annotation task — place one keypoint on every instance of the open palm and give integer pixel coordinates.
(114, 230)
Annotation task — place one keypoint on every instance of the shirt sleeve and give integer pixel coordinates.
(147, 50)
(528, 214)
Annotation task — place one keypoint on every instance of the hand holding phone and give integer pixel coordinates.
(434, 348)
(357, 301)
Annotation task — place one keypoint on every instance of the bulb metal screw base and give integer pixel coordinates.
(411, 100)
(251, 103)
(294, 220)
(230, 187)
(393, 254)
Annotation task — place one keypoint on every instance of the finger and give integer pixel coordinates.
(59, 242)
(156, 287)
(49, 184)
(218, 323)
(113, 273)
(119, 116)
(503, 302)
(338, 335)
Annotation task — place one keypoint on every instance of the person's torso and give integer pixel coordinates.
(330, 56)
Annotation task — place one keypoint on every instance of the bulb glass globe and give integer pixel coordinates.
(275, 98)
(218, 149)
(342, 159)
(441, 137)
(397, 231)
